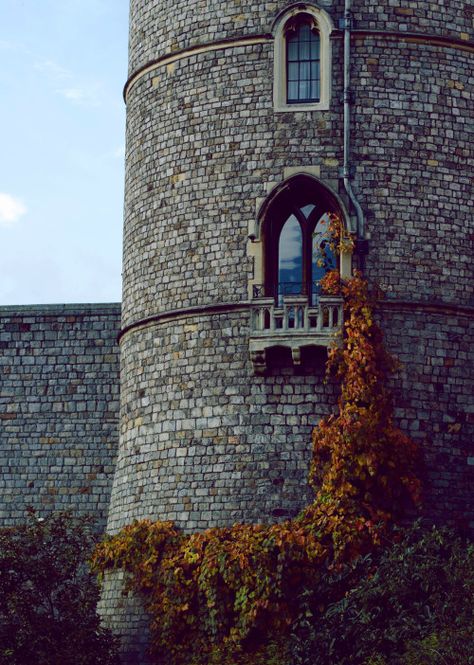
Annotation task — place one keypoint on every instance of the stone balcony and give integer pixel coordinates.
(292, 324)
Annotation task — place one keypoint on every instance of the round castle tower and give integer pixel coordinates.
(246, 123)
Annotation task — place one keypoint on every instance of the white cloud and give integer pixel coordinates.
(52, 70)
(11, 209)
(81, 96)
(7, 45)
(74, 91)
(119, 153)
(74, 94)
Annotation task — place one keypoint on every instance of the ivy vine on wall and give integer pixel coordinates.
(231, 594)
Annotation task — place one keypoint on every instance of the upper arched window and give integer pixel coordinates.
(302, 59)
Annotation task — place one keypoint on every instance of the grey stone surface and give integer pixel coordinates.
(204, 441)
(59, 402)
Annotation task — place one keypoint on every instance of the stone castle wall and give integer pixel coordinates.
(59, 403)
(205, 441)
(433, 396)
(204, 147)
(158, 27)
(216, 444)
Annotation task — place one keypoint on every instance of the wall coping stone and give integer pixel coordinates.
(96, 309)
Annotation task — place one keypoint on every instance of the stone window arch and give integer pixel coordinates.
(302, 59)
(294, 241)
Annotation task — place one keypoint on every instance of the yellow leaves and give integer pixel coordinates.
(360, 461)
(211, 590)
(367, 313)
(331, 283)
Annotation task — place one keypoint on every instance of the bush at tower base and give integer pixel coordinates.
(408, 603)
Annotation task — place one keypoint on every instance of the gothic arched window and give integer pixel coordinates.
(297, 247)
(303, 253)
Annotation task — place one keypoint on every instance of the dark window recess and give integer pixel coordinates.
(297, 245)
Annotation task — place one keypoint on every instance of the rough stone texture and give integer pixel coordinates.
(124, 613)
(59, 399)
(433, 395)
(208, 144)
(215, 443)
(158, 27)
(203, 440)
(414, 138)
(209, 141)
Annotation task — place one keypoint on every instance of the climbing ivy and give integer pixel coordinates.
(363, 469)
(231, 594)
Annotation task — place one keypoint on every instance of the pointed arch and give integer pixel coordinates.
(292, 226)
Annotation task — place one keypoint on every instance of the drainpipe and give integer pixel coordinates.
(361, 242)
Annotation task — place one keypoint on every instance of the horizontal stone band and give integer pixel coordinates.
(190, 51)
(184, 312)
(252, 40)
(224, 308)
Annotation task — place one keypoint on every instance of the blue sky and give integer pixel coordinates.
(63, 64)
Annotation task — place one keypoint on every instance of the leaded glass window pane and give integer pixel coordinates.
(290, 258)
(292, 50)
(304, 50)
(303, 65)
(315, 90)
(304, 90)
(293, 89)
(315, 49)
(308, 209)
(293, 71)
(304, 71)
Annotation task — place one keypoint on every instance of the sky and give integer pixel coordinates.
(63, 64)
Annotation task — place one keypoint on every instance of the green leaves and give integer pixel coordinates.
(222, 595)
(48, 596)
(407, 604)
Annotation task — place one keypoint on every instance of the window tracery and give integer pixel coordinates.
(294, 231)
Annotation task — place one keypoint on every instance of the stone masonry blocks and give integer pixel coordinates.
(59, 401)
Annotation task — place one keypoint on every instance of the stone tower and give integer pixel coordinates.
(247, 122)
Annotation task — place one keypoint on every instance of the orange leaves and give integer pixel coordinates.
(331, 283)
(229, 590)
(360, 460)
(215, 587)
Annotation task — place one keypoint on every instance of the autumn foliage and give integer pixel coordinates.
(363, 468)
(230, 595)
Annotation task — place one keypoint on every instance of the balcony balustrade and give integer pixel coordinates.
(293, 322)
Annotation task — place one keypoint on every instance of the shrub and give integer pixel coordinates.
(408, 604)
(48, 596)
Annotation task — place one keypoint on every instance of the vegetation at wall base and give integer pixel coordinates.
(48, 595)
(409, 602)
